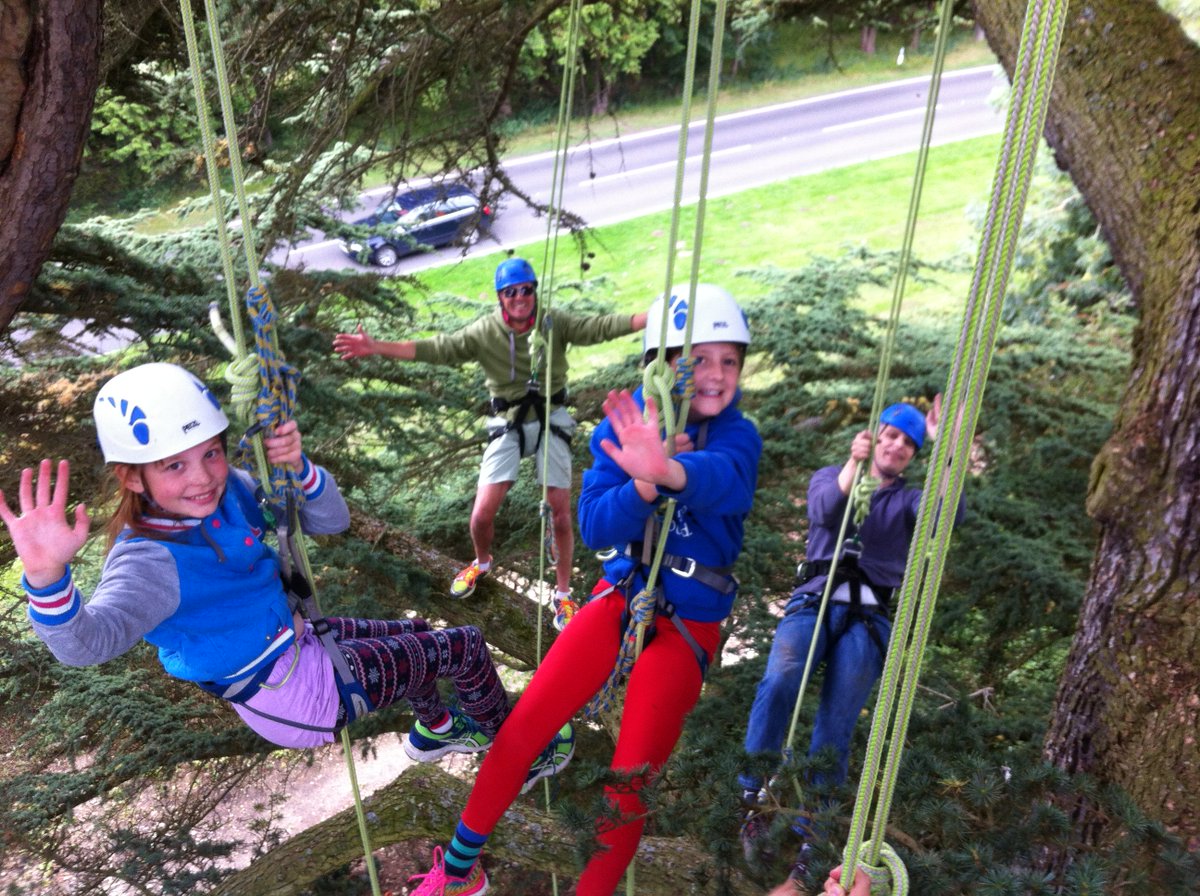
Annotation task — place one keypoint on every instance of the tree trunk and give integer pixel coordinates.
(47, 87)
(866, 39)
(1124, 121)
(424, 803)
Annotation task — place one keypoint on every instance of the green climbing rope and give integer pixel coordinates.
(276, 383)
(863, 486)
(1036, 60)
(541, 340)
(659, 381)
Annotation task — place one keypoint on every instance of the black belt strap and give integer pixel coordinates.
(849, 572)
(532, 400)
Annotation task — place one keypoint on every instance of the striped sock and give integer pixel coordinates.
(464, 850)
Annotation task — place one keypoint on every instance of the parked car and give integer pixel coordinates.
(418, 221)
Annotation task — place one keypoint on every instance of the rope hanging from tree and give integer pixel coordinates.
(672, 389)
(541, 340)
(1036, 60)
(863, 486)
(262, 381)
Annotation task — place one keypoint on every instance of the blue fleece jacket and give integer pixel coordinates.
(710, 511)
(206, 592)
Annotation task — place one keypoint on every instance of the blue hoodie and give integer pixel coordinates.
(207, 593)
(710, 511)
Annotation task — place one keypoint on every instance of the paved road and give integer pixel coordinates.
(612, 180)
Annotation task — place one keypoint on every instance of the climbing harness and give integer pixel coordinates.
(530, 403)
(866, 600)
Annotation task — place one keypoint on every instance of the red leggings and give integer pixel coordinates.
(662, 689)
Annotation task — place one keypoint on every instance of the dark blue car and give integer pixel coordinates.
(418, 221)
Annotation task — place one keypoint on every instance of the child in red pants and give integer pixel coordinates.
(712, 476)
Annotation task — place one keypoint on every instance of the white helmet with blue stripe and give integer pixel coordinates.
(153, 411)
(717, 317)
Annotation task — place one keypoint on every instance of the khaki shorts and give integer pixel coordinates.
(502, 457)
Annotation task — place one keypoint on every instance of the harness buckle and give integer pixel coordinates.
(852, 547)
(688, 570)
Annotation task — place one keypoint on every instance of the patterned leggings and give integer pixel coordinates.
(404, 658)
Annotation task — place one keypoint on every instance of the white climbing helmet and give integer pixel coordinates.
(152, 411)
(718, 318)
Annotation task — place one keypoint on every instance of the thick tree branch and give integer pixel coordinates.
(49, 122)
(424, 803)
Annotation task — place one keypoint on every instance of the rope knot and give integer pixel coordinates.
(273, 390)
(861, 496)
(641, 614)
(685, 379)
(887, 879)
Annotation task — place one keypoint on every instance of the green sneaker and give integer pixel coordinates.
(464, 736)
(554, 758)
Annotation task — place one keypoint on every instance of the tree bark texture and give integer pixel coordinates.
(424, 803)
(1124, 120)
(47, 86)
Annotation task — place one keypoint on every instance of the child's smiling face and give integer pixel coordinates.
(187, 484)
(718, 367)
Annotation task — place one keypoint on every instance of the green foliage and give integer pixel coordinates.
(141, 133)
(1062, 258)
(403, 440)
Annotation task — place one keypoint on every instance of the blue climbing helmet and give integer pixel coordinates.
(907, 419)
(512, 271)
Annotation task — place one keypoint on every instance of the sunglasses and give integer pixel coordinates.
(511, 292)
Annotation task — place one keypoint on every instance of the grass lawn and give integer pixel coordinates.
(785, 225)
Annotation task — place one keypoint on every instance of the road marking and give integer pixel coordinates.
(646, 169)
(867, 122)
(629, 139)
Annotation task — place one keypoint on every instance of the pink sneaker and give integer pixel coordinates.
(438, 883)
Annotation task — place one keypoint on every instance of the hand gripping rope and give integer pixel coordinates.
(1037, 56)
(275, 391)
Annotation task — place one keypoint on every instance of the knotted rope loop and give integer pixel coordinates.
(658, 380)
(641, 614)
(268, 383)
(887, 879)
(860, 497)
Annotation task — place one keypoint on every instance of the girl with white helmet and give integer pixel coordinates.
(712, 476)
(187, 571)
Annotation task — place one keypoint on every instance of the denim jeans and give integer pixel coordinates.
(853, 663)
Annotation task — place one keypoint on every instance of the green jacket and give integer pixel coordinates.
(504, 354)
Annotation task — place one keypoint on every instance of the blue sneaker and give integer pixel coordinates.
(554, 758)
(464, 736)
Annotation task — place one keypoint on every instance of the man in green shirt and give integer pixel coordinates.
(500, 343)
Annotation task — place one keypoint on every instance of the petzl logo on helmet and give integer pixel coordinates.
(190, 425)
(135, 417)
